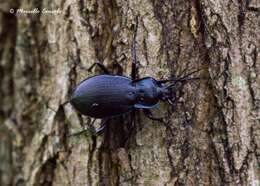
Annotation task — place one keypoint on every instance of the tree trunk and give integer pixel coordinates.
(211, 137)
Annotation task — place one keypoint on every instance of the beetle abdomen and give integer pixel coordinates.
(104, 96)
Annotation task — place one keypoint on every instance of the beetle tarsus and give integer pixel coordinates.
(79, 133)
(103, 124)
(100, 65)
(92, 129)
(150, 115)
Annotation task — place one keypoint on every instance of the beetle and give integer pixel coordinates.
(107, 95)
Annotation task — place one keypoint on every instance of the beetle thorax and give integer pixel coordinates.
(147, 92)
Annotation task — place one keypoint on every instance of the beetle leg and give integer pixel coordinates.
(133, 51)
(132, 127)
(150, 115)
(100, 65)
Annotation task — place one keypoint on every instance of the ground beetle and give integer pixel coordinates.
(106, 96)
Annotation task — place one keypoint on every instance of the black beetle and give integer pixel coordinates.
(106, 96)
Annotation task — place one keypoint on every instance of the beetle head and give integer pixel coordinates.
(169, 87)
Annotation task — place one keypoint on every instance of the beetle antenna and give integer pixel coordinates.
(184, 78)
(181, 80)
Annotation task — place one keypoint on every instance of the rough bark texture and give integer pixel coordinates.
(211, 139)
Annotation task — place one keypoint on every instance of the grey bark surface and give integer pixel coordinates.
(212, 138)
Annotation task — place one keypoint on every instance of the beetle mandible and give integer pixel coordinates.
(105, 96)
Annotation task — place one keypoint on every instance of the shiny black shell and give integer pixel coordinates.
(104, 96)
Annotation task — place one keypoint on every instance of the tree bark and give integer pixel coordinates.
(211, 138)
